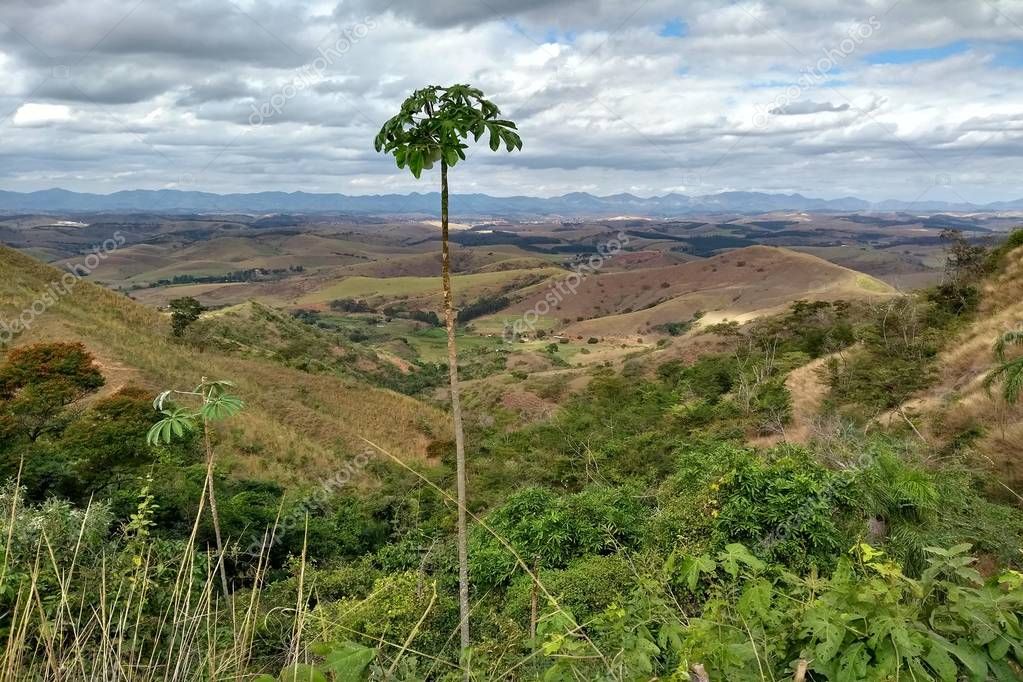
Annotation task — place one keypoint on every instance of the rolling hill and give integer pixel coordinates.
(736, 286)
(425, 291)
(297, 426)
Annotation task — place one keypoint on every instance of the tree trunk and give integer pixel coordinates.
(534, 599)
(213, 505)
(456, 412)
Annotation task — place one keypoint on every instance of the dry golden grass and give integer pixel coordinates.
(807, 389)
(425, 291)
(958, 401)
(297, 426)
(740, 285)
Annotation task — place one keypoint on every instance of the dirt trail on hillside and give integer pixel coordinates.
(807, 390)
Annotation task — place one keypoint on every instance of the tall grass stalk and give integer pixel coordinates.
(71, 617)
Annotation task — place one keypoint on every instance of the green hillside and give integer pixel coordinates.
(681, 509)
(304, 426)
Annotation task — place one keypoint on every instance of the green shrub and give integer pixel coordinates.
(549, 530)
(392, 609)
(865, 621)
(586, 586)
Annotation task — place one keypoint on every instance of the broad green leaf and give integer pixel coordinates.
(999, 647)
(756, 600)
(221, 407)
(300, 672)
(175, 423)
(852, 665)
(970, 657)
(827, 633)
(1003, 672)
(941, 663)
(348, 661)
(693, 567)
(736, 554)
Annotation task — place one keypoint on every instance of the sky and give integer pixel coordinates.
(880, 99)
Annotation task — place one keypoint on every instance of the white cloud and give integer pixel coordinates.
(165, 93)
(32, 114)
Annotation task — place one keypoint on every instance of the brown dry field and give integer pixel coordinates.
(739, 285)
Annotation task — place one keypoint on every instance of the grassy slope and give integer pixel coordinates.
(958, 401)
(464, 260)
(330, 265)
(739, 285)
(305, 425)
(145, 263)
(466, 287)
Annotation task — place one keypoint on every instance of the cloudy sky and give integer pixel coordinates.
(906, 99)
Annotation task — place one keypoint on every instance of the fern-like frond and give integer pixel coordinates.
(1011, 375)
(1013, 372)
(1009, 372)
(1013, 338)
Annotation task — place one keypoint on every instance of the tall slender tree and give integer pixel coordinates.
(434, 125)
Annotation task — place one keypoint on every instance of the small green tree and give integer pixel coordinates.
(964, 266)
(39, 381)
(184, 311)
(432, 126)
(214, 403)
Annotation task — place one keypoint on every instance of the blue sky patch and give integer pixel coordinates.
(555, 36)
(1008, 55)
(674, 28)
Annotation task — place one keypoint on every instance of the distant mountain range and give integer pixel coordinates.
(576, 204)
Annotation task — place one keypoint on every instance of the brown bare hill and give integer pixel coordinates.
(463, 260)
(297, 426)
(739, 285)
(147, 263)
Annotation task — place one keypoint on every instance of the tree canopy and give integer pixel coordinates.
(434, 123)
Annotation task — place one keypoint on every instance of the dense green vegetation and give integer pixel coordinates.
(313, 342)
(629, 513)
(483, 306)
(634, 535)
(184, 311)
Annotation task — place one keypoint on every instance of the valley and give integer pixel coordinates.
(692, 274)
(359, 298)
(636, 388)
